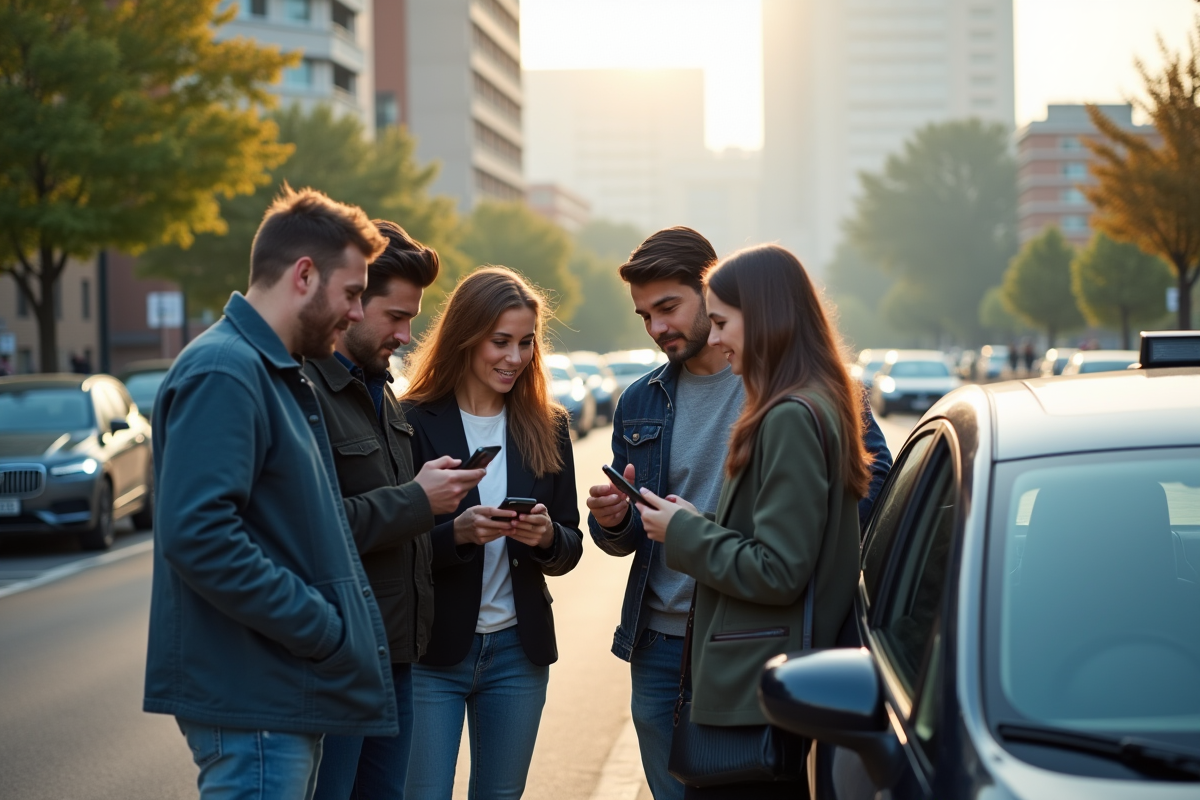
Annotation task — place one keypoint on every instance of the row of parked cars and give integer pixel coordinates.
(589, 384)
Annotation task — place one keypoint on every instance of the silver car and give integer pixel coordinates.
(74, 457)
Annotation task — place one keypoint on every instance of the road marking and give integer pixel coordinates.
(621, 777)
(73, 567)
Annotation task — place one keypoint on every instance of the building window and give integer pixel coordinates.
(1073, 197)
(495, 53)
(25, 360)
(387, 111)
(1074, 224)
(494, 97)
(344, 79)
(343, 17)
(981, 59)
(1074, 169)
(496, 143)
(299, 76)
(982, 80)
(490, 185)
(22, 304)
(297, 10)
(502, 16)
(258, 8)
(1070, 143)
(85, 294)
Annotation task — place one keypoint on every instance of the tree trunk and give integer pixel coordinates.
(1124, 328)
(47, 324)
(1185, 296)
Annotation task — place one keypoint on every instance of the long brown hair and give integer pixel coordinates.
(443, 356)
(789, 346)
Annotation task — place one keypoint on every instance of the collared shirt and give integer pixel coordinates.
(374, 383)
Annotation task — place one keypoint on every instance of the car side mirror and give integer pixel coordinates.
(834, 696)
(118, 425)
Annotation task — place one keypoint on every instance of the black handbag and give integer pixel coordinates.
(718, 755)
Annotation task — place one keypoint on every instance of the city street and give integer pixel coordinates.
(72, 654)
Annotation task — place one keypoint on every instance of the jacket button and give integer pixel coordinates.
(382, 650)
(637, 436)
(515, 562)
(366, 592)
(314, 419)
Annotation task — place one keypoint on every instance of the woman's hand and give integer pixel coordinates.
(657, 512)
(476, 526)
(534, 529)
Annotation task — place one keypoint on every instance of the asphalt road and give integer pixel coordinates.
(72, 654)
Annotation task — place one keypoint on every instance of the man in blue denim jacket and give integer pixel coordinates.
(264, 632)
(670, 434)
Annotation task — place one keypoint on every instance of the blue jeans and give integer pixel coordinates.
(502, 693)
(654, 673)
(372, 767)
(240, 764)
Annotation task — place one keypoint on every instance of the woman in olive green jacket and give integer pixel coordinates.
(777, 527)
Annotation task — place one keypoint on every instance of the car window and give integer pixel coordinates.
(1103, 366)
(919, 369)
(891, 506)
(906, 626)
(559, 374)
(587, 369)
(630, 369)
(44, 409)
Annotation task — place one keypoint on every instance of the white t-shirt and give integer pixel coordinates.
(497, 610)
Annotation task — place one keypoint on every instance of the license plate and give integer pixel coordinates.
(921, 403)
(10, 506)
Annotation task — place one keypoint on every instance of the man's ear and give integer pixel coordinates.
(304, 275)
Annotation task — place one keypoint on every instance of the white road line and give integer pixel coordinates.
(621, 777)
(73, 567)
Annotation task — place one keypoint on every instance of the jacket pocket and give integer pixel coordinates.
(642, 439)
(359, 447)
(777, 632)
(641, 433)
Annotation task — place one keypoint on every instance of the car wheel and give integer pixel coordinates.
(102, 536)
(883, 409)
(144, 519)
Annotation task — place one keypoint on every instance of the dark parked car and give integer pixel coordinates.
(74, 457)
(568, 387)
(142, 379)
(600, 381)
(1027, 620)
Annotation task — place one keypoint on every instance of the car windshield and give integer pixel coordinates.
(143, 387)
(44, 409)
(587, 369)
(1094, 594)
(919, 369)
(1103, 366)
(559, 374)
(630, 368)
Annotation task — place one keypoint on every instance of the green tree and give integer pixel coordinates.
(331, 154)
(1037, 285)
(121, 122)
(998, 320)
(1117, 285)
(1146, 192)
(605, 322)
(512, 235)
(941, 218)
(612, 241)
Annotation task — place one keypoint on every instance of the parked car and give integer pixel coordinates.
(992, 363)
(1027, 621)
(868, 363)
(600, 381)
(142, 379)
(629, 365)
(569, 388)
(1056, 360)
(1086, 362)
(74, 457)
(912, 380)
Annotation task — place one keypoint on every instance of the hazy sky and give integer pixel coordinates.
(1066, 50)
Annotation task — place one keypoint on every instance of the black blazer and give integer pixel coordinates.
(458, 569)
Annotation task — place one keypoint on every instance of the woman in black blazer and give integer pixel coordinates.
(478, 380)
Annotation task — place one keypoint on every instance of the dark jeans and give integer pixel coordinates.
(372, 767)
(654, 672)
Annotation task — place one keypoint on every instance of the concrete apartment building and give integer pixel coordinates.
(77, 310)
(631, 143)
(846, 83)
(564, 208)
(1053, 168)
(450, 70)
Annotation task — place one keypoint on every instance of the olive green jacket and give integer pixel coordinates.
(753, 563)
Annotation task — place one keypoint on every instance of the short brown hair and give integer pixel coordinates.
(404, 258)
(306, 222)
(678, 253)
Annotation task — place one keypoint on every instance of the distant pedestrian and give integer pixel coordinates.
(79, 365)
(390, 511)
(264, 634)
(1014, 358)
(1030, 357)
(5, 367)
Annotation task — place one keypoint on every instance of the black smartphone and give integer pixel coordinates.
(618, 480)
(481, 457)
(521, 505)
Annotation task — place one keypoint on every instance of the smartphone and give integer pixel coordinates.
(521, 505)
(481, 457)
(618, 480)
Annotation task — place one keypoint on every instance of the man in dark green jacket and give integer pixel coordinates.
(389, 510)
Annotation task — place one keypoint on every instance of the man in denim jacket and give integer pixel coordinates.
(670, 434)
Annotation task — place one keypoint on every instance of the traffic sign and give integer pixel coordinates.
(164, 310)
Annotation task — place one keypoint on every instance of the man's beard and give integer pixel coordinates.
(694, 340)
(368, 353)
(317, 325)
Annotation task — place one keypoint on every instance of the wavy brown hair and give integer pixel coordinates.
(789, 347)
(443, 357)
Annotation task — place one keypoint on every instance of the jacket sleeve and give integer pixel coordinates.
(567, 548)
(216, 434)
(770, 565)
(881, 465)
(624, 540)
(445, 552)
(388, 516)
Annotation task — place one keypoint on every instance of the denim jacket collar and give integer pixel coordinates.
(258, 333)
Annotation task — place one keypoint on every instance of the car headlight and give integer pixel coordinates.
(886, 385)
(608, 386)
(87, 466)
(560, 387)
(578, 392)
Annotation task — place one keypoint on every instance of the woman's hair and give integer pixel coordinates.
(789, 346)
(443, 357)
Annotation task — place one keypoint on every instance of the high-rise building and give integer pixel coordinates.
(1052, 169)
(334, 38)
(450, 70)
(846, 83)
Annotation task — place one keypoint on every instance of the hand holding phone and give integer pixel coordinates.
(623, 486)
(521, 505)
(481, 457)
